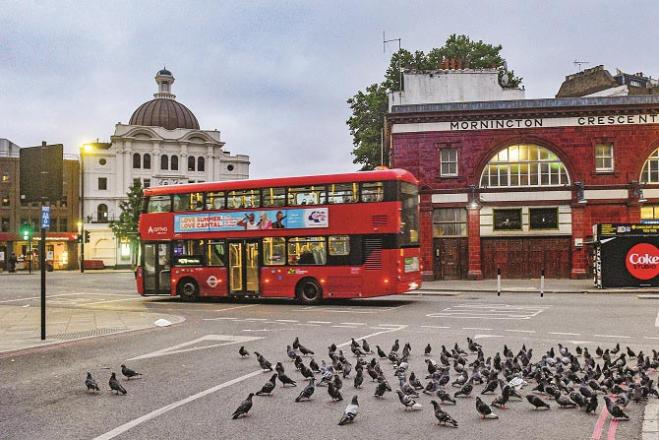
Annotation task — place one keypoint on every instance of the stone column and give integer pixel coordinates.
(474, 240)
(580, 230)
(425, 226)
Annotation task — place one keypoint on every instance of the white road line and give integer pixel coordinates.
(656, 323)
(344, 326)
(165, 409)
(433, 326)
(476, 328)
(520, 331)
(236, 307)
(308, 325)
(255, 319)
(38, 297)
(286, 320)
(380, 328)
(319, 322)
(651, 337)
(448, 315)
(392, 325)
(564, 334)
(613, 336)
(110, 301)
(153, 414)
(218, 319)
(353, 323)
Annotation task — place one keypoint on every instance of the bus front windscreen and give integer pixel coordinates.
(409, 224)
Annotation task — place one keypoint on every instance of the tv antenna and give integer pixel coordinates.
(580, 64)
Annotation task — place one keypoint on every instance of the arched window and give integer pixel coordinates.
(191, 163)
(650, 173)
(174, 163)
(201, 164)
(146, 161)
(102, 213)
(164, 162)
(522, 166)
(137, 161)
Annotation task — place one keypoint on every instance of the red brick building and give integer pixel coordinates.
(518, 184)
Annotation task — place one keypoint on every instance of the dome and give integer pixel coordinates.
(166, 113)
(164, 72)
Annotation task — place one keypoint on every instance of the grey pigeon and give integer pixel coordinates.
(407, 401)
(268, 387)
(263, 362)
(242, 352)
(615, 411)
(128, 372)
(565, 402)
(290, 353)
(537, 402)
(304, 350)
(244, 407)
(285, 380)
(444, 396)
(442, 416)
(484, 410)
(591, 407)
(359, 379)
(91, 383)
(381, 389)
(307, 392)
(350, 412)
(334, 392)
(465, 391)
(115, 385)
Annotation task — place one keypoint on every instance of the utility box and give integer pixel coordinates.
(626, 255)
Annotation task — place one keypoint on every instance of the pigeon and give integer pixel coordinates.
(415, 382)
(285, 380)
(615, 411)
(268, 387)
(465, 391)
(407, 401)
(359, 379)
(350, 412)
(296, 343)
(334, 392)
(244, 407)
(307, 392)
(445, 397)
(128, 372)
(279, 368)
(115, 385)
(427, 350)
(591, 407)
(242, 352)
(381, 353)
(304, 350)
(500, 401)
(381, 389)
(490, 387)
(366, 347)
(537, 402)
(396, 346)
(442, 416)
(306, 372)
(314, 366)
(290, 353)
(91, 383)
(263, 362)
(565, 402)
(484, 410)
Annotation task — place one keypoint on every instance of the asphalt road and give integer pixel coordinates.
(194, 378)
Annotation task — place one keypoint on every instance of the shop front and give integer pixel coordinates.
(61, 251)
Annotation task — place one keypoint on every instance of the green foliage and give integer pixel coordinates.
(125, 229)
(370, 106)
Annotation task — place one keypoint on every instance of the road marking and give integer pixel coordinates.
(353, 323)
(613, 427)
(344, 326)
(476, 328)
(286, 320)
(487, 336)
(38, 297)
(392, 325)
(236, 307)
(110, 301)
(564, 334)
(217, 319)
(308, 324)
(650, 337)
(520, 331)
(354, 309)
(179, 348)
(656, 323)
(165, 409)
(613, 336)
(433, 326)
(158, 412)
(319, 322)
(601, 420)
(489, 311)
(255, 319)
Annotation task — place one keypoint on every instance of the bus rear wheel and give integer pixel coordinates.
(188, 289)
(309, 291)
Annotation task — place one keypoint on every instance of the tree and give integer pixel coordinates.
(125, 229)
(369, 107)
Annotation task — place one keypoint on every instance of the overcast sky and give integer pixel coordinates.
(274, 76)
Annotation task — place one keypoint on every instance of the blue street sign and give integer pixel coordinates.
(45, 217)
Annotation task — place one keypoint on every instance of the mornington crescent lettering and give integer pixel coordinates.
(618, 120)
(497, 123)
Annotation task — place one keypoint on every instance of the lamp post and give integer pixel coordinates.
(84, 149)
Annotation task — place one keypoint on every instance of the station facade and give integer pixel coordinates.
(516, 185)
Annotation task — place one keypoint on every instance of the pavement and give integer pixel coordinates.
(193, 377)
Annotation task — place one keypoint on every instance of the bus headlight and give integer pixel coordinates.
(413, 286)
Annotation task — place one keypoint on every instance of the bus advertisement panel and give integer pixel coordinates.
(252, 220)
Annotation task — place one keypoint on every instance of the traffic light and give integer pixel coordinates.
(26, 232)
(79, 238)
(86, 236)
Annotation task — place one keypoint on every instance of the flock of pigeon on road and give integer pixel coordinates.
(571, 380)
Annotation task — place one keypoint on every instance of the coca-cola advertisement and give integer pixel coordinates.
(626, 255)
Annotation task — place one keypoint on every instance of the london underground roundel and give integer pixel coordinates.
(642, 261)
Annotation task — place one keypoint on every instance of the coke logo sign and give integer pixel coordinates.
(642, 261)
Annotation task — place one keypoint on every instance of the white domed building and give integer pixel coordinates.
(162, 144)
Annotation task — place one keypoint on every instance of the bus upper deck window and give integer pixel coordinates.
(372, 192)
(159, 204)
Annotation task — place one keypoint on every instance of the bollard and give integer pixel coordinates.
(542, 283)
(498, 281)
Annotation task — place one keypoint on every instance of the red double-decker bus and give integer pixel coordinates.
(311, 238)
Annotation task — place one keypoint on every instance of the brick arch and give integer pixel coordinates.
(518, 140)
(643, 158)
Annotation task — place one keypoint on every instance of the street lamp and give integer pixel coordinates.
(86, 148)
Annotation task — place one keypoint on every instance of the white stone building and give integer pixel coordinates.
(161, 145)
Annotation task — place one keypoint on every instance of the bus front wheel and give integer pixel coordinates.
(309, 291)
(188, 289)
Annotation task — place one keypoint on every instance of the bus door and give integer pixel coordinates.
(156, 268)
(243, 267)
